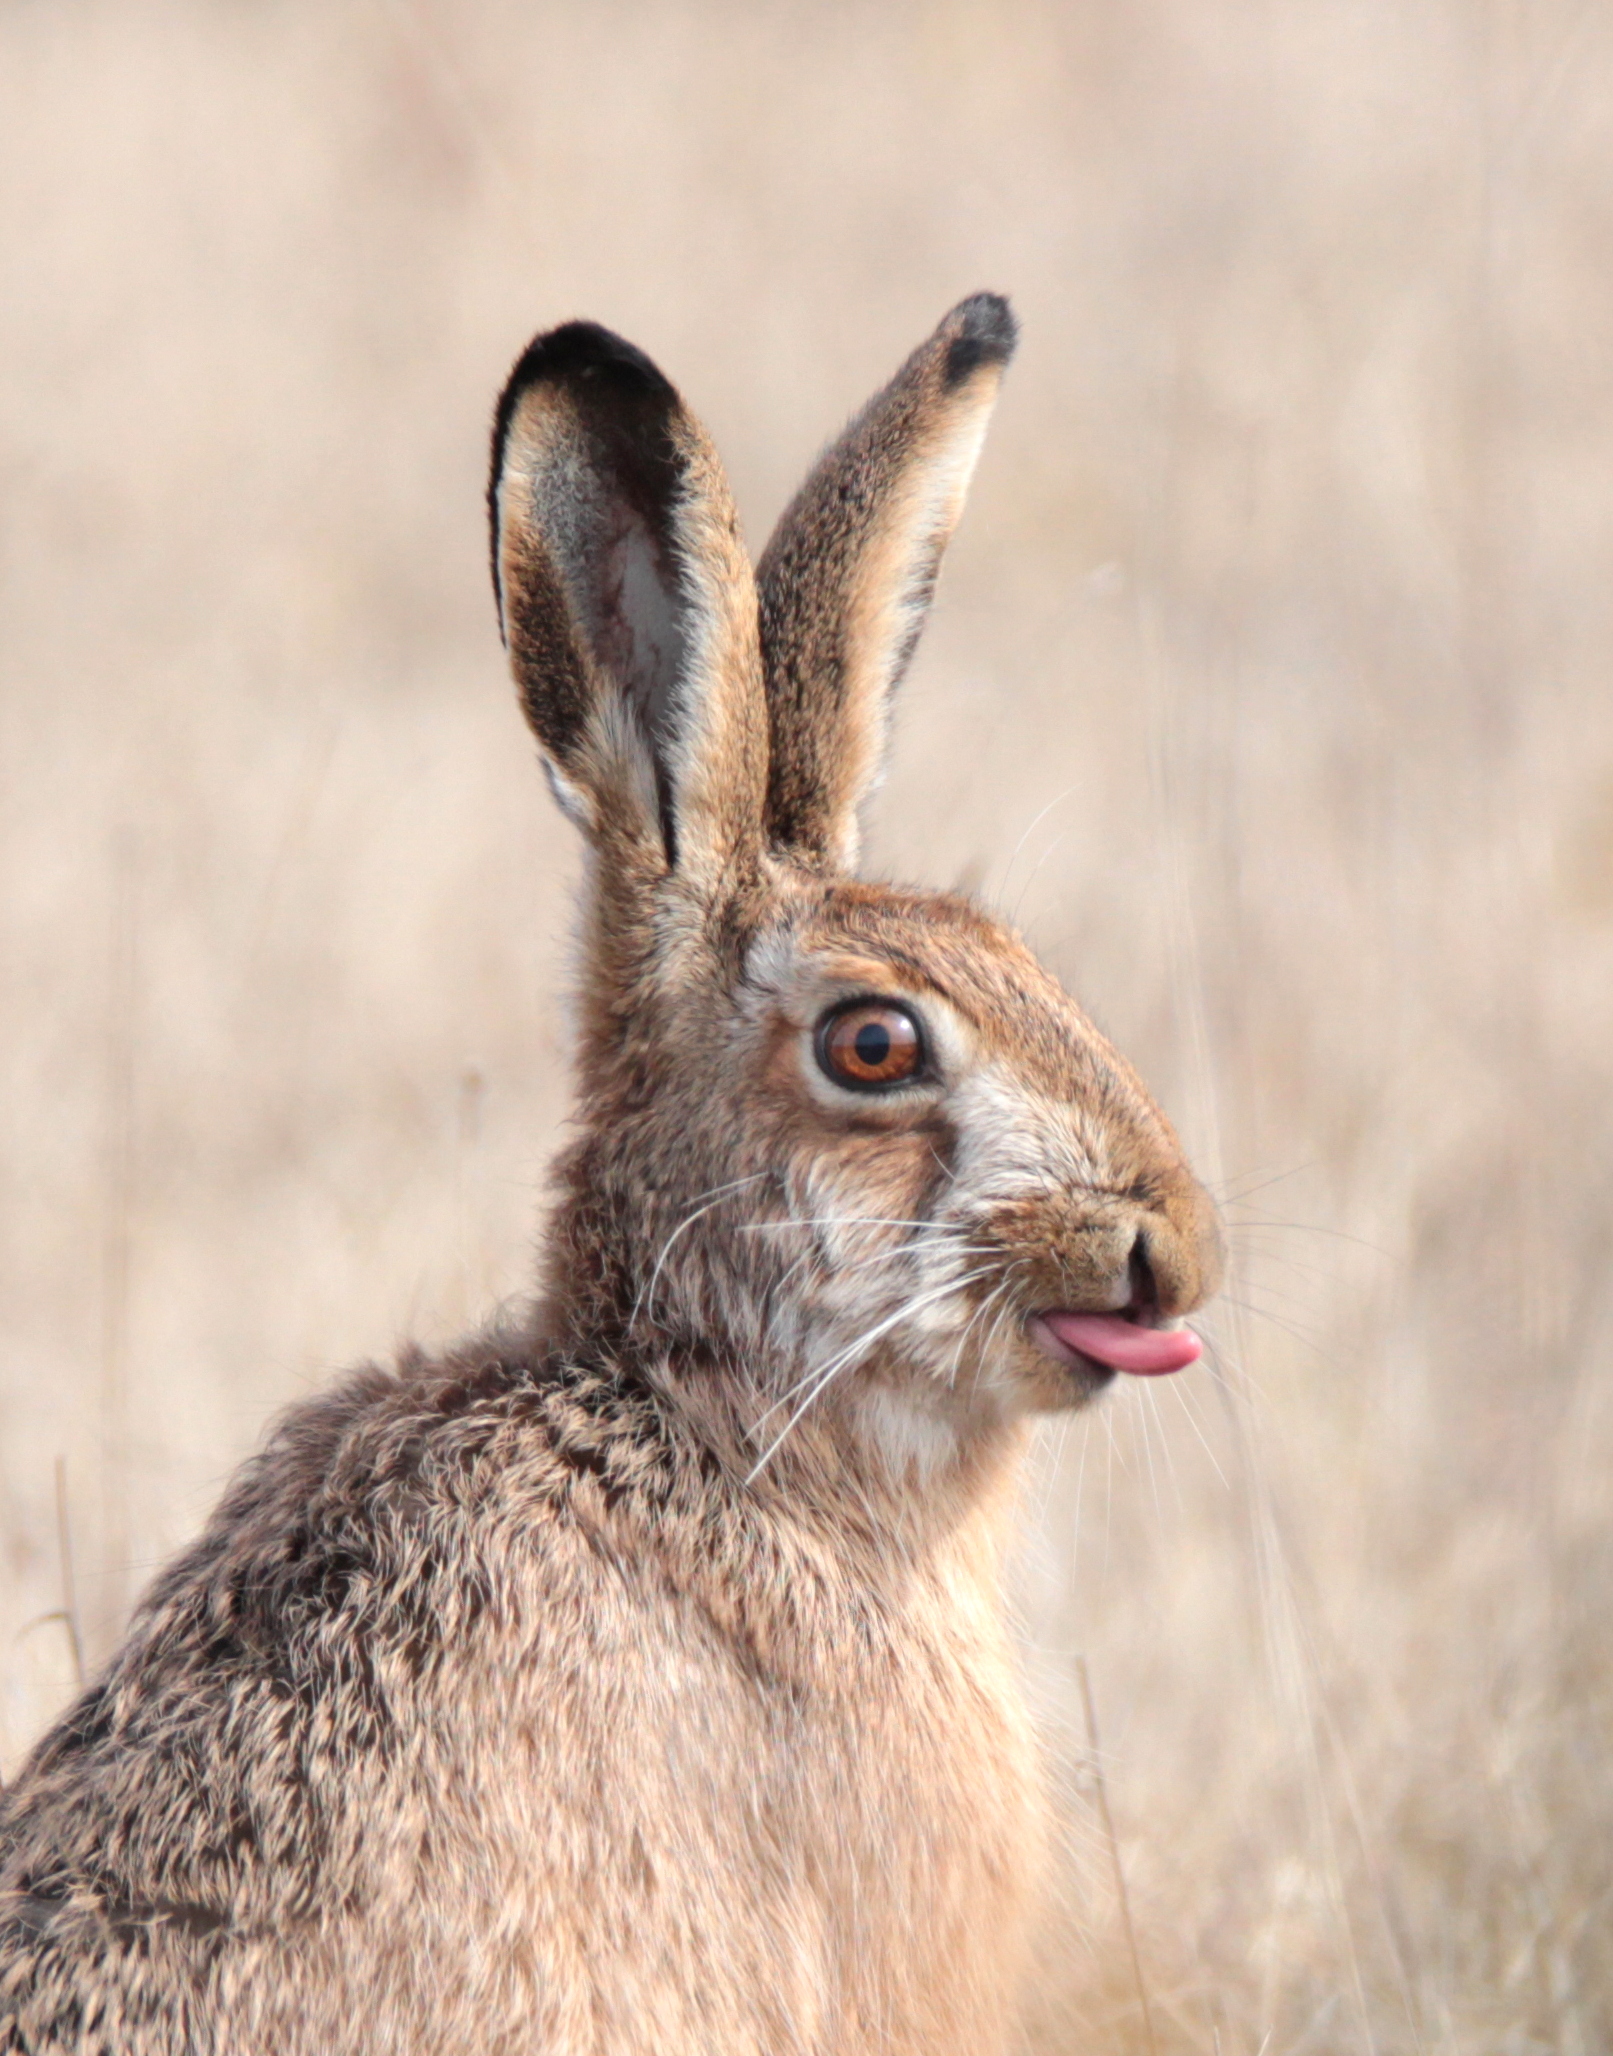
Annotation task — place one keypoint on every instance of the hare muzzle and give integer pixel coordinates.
(1172, 1265)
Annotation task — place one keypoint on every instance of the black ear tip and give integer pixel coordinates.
(981, 330)
(579, 353)
(583, 350)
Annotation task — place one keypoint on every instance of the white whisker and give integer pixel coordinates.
(1008, 869)
(838, 1221)
(819, 1381)
(1184, 1400)
(880, 1327)
(713, 1198)
(978, 1315)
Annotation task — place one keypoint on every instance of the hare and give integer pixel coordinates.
(636, 1678)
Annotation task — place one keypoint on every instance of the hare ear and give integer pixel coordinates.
(628, 605)
(847, 578)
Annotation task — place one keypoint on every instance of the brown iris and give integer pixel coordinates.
(869, 1045)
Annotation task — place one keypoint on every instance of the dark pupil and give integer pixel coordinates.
(873, 1045)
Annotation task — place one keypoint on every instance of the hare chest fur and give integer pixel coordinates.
(636, 1679)
(538, 1737)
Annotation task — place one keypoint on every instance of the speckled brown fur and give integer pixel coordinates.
(636, 1679)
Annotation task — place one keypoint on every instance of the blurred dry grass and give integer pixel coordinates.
(1269, 685)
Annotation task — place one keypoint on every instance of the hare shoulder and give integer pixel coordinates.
(448, 1622)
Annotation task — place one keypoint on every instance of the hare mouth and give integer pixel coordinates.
(1113, 1342)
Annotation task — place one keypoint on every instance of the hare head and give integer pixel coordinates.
(841, 1143)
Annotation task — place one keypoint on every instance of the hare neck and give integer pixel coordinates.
(882, 1457)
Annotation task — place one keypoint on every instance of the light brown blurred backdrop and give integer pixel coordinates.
(1268, 689)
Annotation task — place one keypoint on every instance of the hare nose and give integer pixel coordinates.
(1174, 1261)
(1144, 1285)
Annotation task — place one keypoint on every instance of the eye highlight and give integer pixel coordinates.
(869, 1045)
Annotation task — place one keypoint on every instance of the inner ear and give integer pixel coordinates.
(638, 627)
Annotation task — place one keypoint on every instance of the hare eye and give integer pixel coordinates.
(868, 1045)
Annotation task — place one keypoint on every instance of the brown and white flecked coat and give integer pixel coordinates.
(637, 1680)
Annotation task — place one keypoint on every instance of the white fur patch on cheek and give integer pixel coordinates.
(914, 1439)
(848, 1224)
(1011, 1139)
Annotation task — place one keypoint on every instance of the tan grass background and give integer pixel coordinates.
(1269, 687)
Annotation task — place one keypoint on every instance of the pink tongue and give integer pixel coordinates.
(1124, 1346)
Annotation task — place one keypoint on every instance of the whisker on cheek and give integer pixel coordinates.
(713, 1197)
(997, 1292)
(819, 1382)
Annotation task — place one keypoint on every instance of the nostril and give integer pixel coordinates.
(1144, 1299)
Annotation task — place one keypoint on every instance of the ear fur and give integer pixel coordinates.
(846, 580)
(628, 605)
